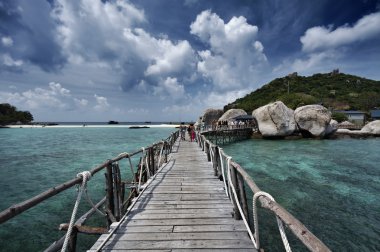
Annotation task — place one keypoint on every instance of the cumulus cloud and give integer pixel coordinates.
(235, 56)
(53, 97)
(117, 39)
(322, 38)
(29, 34)
(7, 41)
(170, 86)
(101, 103)
(8, 61)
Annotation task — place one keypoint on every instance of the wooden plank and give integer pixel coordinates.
(194, 221)
(210, 228)
(180, 244)
(154, 236)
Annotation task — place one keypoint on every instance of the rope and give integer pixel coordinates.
(279, 222)
(86, 176)
(237, 202)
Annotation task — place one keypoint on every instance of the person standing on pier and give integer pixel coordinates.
(191, 131)
(182, 128)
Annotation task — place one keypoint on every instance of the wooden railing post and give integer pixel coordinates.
(234, 184)
(243, 196)
(208, 147)
(116, 191)
(215, 158)
(109, 194)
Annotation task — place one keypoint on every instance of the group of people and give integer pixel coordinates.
(190, 130)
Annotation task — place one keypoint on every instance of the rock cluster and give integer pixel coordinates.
(231, 114)
(372, 128)
(277, 120)
(211, 115)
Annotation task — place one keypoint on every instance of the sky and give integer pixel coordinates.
(170, 60)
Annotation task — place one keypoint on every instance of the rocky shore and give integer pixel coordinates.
(277, 121)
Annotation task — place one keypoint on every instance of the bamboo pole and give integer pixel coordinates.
(56, 246)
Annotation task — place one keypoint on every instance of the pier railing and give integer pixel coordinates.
(236, 180)
(116, 201)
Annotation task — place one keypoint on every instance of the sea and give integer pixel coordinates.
(331, 186)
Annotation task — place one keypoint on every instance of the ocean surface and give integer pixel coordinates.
(332, 186)
(34, 159)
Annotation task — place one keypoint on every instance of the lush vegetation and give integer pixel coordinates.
(10, 115)
(337, 91)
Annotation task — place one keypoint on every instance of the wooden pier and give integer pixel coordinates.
(181, 196)
(184, 208)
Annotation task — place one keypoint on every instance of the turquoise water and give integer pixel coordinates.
(35, 159)
(332, 186)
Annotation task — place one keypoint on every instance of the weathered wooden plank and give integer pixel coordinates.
(181, 211)
(154, 236)
(183, 206)
(143, 216)
(195, 221)
(180, 244)
(210, 228)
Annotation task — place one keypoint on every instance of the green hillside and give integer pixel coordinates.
(333, 90)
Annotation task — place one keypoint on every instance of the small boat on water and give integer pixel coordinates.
(113, 122)
(139, 127)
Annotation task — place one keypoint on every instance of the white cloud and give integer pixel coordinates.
(172, 58)
(10, 62)
(108, 33)
(219, 100)
(235, 57)
(54, 97)
(170, 86)
(101, 103)
(81, 102)
(91, 30)
(7, 41)
(322, 38)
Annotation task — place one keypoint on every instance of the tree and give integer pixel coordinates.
(10, 115)
(339, 117)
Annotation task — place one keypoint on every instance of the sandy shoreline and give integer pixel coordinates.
(93, 126)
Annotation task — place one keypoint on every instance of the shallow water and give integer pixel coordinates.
(332, 186)
(35, 159)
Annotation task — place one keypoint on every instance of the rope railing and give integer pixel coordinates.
(152, 158)
(235, 180)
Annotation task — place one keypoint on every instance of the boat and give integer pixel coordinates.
(139, 127)
(113, 122)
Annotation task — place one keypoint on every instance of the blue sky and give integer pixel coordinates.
(169, 60)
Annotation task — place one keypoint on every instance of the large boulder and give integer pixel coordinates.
(372, 128)
(331, 128)
(231, 114)
(312, 120)
(211, 115)
(275, 120)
